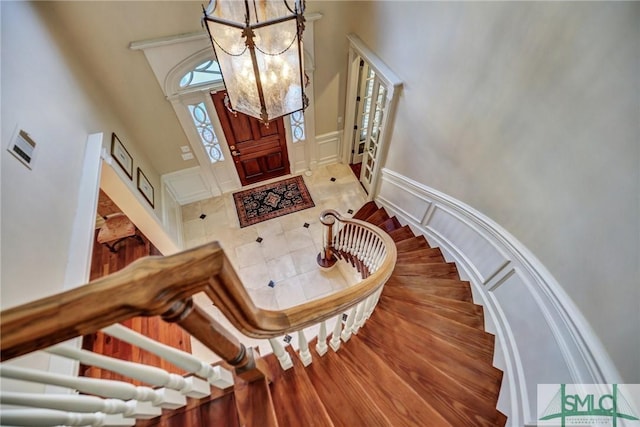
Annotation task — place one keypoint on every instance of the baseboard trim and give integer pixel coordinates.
(498, 265)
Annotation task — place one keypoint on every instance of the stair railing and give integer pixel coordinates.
(164, 286)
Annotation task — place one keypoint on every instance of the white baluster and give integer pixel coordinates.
(374, 301)
(142, 397)
(321, 346)
(335, 338)
(171, 383)
(216, 376)
(348, 328)
(283, 356)
(366, 242)
(340, 236)
(357, 324)
(49, 417)
(69, 402)
(305, 354)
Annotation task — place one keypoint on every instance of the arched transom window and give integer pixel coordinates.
(206, 72)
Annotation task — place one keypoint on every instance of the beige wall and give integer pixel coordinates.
(529, 113)
(46, 93)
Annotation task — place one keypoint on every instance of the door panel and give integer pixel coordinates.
(259, 151)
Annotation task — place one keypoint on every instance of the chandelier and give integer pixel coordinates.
(258, 44)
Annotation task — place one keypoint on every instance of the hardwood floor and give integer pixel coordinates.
(104, 263)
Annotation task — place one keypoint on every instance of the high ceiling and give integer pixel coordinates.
(97, 34)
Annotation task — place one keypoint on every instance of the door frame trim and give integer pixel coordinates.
(393, 84)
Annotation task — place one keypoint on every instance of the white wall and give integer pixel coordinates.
(528, 112)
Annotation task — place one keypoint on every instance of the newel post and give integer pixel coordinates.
(326, 258)
(210, 333)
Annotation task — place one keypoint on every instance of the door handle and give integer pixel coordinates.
(235, 153)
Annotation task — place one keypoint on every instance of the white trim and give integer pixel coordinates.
(196, 181)
(571, 336)
(78, 270)
(328, 146)
(169, 40)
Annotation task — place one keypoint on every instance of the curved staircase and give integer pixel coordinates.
(422, 359)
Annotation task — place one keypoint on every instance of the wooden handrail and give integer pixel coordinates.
(163, 286)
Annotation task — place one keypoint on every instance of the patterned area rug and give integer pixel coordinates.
(272, 200)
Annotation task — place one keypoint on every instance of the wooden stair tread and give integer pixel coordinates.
(459, 405)
(427, 308)
(399, 401)
(378, 217)
(366, 210)
(476, 375)
(442, 270)
(426, 255)
(401, 234)
(294, 397)
(417, 242)
(421, 282)
(463, 307)
(390, 224)
(451, 292)
(344, 398)
(470, 340)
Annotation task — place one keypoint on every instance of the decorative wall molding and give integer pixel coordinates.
(328, 147)
(541, 336)
(187, 185)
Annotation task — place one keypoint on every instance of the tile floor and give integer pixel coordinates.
(285, 256)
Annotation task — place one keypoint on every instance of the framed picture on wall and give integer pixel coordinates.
(145, 187)
(122, 156)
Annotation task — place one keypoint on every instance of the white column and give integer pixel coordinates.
(305, 354)
(216, 376)
(283, 356)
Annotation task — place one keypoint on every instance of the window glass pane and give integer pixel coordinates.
(207, 72)
(205, 130)
(297, 126)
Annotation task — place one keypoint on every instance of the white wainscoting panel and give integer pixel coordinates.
(328, 147)
(187, 185)
(541, 336)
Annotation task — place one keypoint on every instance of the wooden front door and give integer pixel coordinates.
(259, 152)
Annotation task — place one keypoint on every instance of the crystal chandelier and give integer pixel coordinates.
(258, 44)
